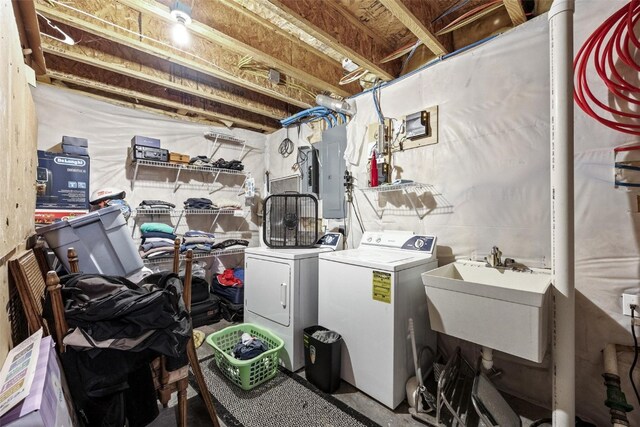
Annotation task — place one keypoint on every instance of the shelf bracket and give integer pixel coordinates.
(175, 184)
(178, 221)
(375, 211)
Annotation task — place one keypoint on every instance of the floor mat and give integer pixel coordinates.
(285, 400)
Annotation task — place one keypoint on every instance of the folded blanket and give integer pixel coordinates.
(156, 226)
(152, 245)
(156, 203)
(199, 247)
(206, 240)
(162, 249)
(148, 234)
(198, 233)
(158, 239)
(226, 204)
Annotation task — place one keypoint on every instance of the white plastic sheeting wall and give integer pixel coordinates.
(490, 174)
(109, 129)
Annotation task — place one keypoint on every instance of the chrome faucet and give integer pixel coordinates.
(495, 258)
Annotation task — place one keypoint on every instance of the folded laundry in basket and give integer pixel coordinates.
(148, 234)
(248, 347)
(156, 226)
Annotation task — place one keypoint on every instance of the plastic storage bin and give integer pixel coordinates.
(322, 360)
(100, 239)
(247, 374)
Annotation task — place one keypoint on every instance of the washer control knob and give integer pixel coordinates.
(419, 243)
(369, 239)
(378, 240)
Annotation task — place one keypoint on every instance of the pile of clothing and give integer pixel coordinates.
(156, 205)
(218, 164)
(198, 241)
(198, 203)
(248, 347)
(157, 240)
(116, 328)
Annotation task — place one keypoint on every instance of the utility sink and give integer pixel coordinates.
(499, 308)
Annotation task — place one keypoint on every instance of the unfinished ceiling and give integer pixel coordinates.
(247, 63)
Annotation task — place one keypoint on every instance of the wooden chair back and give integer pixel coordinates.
(31, 288)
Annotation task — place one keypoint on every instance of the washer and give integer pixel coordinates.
(281, 293)
(367, 295)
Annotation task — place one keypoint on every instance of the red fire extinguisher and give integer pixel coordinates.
(374, 170)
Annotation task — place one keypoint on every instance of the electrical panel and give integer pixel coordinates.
(333, 168)
(309, 170)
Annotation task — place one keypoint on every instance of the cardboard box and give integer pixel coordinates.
(73, 140)
(179, 158)
(62, 181)
(75, 149)
(47, 403)
(145, 141)
(49, 216)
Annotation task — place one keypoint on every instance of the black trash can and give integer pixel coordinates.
(322, 360)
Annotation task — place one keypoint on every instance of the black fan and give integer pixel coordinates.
(290, 221)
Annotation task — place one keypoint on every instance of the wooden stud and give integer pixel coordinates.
(516, 12)
(27, 14)
(415, 23)
(154, 39)
(140, 96)
(99, 59)
(337, 32)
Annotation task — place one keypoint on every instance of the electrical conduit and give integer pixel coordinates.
(562, 222)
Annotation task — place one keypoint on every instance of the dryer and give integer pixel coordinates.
(367, 295)
(281, 293)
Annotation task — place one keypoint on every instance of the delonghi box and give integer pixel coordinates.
(62, 181)
(145, 141)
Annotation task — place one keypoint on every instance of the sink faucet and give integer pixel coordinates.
(495, 258)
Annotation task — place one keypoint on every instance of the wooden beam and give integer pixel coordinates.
(151, 35)
(105, 87)
(334, 30)
(515, 11)
(224, 27)
(415, 14)
(26, 12)
(238, 29)
(99, 59)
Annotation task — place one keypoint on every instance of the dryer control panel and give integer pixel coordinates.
(405, 240)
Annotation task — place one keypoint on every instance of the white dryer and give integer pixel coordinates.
(281, 293)
(367, 295)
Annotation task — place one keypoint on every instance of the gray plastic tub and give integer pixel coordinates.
(101, 240)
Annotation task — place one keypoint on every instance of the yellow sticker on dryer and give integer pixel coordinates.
(382, 286)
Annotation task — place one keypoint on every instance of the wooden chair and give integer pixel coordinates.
(166, 381)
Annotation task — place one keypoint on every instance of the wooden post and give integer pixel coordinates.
(186, 292)
(61, 326)
(176, 255)
(72, 256)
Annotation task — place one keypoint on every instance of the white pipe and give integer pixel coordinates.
(610, 359)
(562, 230)
(487, 358)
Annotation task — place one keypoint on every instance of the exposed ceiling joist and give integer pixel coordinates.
(515, 11)
(99, 59)
(415, 14)
(116, 90)
(151, 35)
(336, 31)
(314, 70)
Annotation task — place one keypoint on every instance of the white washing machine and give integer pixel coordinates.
(281, 293)
(367, 295)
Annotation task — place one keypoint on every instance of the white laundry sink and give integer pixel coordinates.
(497, 308)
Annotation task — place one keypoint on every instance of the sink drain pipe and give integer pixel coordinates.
(562, 232)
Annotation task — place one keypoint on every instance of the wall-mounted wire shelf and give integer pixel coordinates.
(212, 254)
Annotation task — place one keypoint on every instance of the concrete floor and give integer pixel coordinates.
(400, 417)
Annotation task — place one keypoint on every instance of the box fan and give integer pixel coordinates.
(290, 221)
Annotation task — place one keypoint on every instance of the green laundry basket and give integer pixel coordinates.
(247, 374)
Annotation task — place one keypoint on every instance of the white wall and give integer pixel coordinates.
(109, 129)
(491, 166)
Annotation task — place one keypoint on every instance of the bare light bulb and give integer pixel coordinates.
(180, 34)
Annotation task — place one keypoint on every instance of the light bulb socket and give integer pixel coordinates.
(181, 13)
